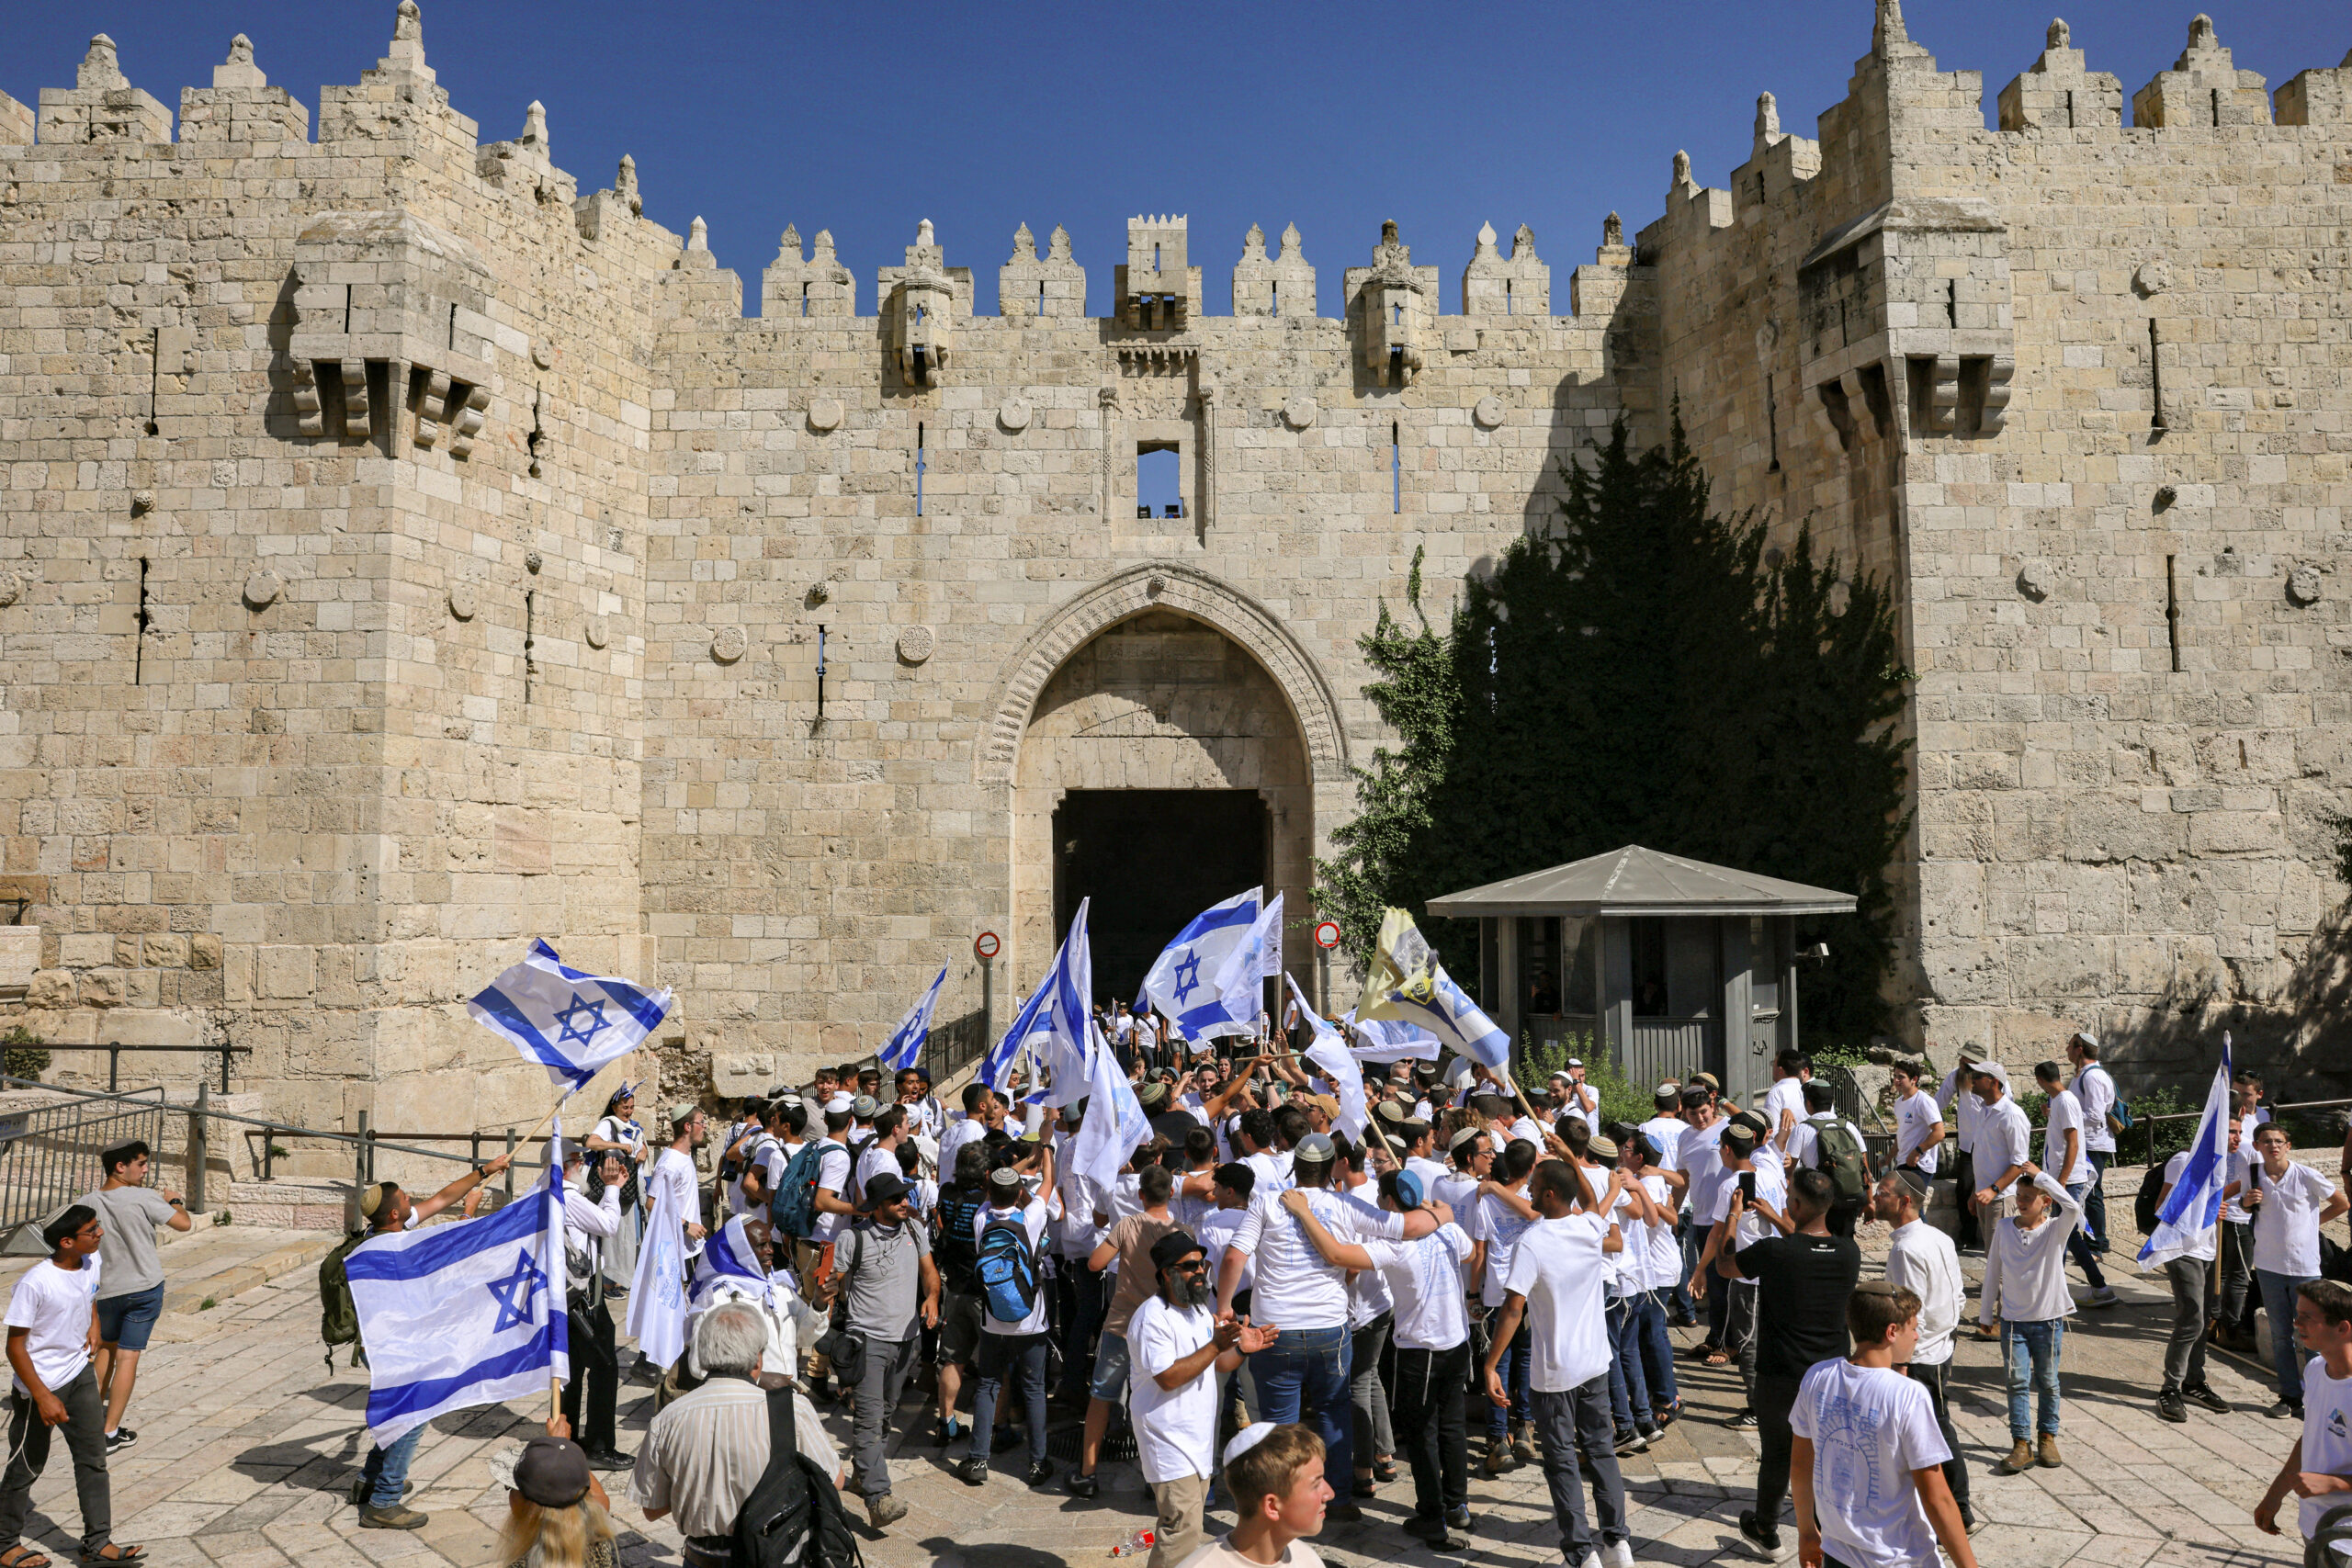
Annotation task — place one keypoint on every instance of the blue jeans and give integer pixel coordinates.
(385, 1474)
(2278, 1300)
(1643, 1342)
(1304, 1377)
(2085, 1246)
(1629, 1395)
(2094, 1206)
(1514, 1367)
(2030, 1350)
(1001, 1354)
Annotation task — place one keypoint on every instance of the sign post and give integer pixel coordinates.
(1327, 937)
(984, 948)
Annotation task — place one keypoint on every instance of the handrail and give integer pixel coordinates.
(115, 1048)
(2200, 1114)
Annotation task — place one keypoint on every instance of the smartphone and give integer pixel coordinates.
(1748, 1186)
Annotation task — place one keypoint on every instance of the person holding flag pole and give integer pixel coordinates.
(2183, 1245)
(1408, 983)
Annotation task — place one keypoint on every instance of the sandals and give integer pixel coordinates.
(1717, 1358)
(1384, 1470)
(113, 1552)
(23, 1556)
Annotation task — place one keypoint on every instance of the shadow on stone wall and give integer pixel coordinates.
(2295, 1035)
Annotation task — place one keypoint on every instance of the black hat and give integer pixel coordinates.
(1173, 1248)
(552, 1471)
(887, 1187)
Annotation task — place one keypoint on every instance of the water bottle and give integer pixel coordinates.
(1138, 1542)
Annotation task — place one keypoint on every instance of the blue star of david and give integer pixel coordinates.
(515, 1292)
(1188, 975)
(572, 1017)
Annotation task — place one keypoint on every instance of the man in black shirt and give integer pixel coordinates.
(1803, 1277)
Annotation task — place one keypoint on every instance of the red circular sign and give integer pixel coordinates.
(985, 944)
(1327, 933)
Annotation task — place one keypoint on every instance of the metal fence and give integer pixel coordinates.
(48, 1156)
(2142, 1130)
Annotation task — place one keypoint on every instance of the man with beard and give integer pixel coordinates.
(1177, 1349)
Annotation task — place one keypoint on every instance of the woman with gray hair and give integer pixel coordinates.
(705, 1452)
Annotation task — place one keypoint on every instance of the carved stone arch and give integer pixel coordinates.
(1164, 585)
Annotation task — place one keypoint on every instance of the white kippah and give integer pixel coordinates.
(1249, 1438)
(838, 1105)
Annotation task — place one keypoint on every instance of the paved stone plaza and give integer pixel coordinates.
(246, 1450)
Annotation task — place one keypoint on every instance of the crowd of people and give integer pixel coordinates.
(1282, 1316)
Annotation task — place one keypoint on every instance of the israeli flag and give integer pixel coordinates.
(1408, 983)
(569, 1022)
(1066, 1050)
(1270, 956)
(657, 1295)
(464, 1315)
(728, 1257)
(1030, 1023)
(1237, 995)
(905, 1045)
(1114, 1121)
(1184, 974)
(1389, 1040)
(2194, 1206)
(1329, 1053)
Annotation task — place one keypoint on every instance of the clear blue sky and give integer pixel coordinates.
(863, 119)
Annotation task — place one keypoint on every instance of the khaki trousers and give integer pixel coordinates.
(1178, 1532)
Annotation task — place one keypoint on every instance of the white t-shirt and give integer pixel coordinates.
(1500, 1226)
(1557, 1266)
(674, 1171)
(55, 1305)
(1870, 1427)
(1915, 1118)
(2004, 1139)
(1274, 1173)
(2094, 1090)
(1032, 1214)
(1295, 1289)
(961, 1130)
(1665, 1132)
(832, 1176)
(1786, 1094)
(1653, 1257)
(1214, 1234)
(1175, 1428)
(1702, 1160)
(2327, 1435)
(2286, 1226)
(2238, 1167)
(1424, 1279)
(2065, 1111)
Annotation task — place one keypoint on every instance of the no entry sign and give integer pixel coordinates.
(1327, 933)
(985, 946)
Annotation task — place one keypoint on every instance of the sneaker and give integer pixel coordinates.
(1764, 1537)
(950, 1430)
(398, 1516)
(1459, 1518)
(1421, 1527)
(1498, 1460)
(609, 1458)
(973, 1472)
(1967, 1519)
(2284, 1409)
(1592, 1560)
(120, 1438)
(1346, 1513)
(2101, 1299)
(2170, 1408)
(883, 1511)
(1041, 1473)
(1083, 1485)
(1631, 1443)
(1617, 1554)
(2204, 1395)
(1743, 1422)
(1523, 1445)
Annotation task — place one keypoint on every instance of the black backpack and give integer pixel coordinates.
(2145, 1207)
(338, 1318)
(793, 1518)
(953, 1246)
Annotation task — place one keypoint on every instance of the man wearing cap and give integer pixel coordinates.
(890, 1293)
(130, 1278)
(1921, 1260)
(1306, 1374)
(2004, 1136)
(1177, 1351)
(588, 1225)
(1579, 1097)
(383, 1476)
(2094, 1089)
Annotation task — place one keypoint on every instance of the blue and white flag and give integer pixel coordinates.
(905, 1045)
(1389, 1040)
(1185, 971)
(464, 1315)
(1065, 1052)
(657, 1295)
(728, 1257)
(1408, 982)
(569, 1022)
(1329, 1053)
(1270, 954)
(1114, 1121)
(1236, 994)
(2194, 1206)
(1030, 1023)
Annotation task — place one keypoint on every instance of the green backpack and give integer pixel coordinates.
(1842, 1158)
(338, 1318)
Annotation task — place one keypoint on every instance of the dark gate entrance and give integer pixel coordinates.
(1151, 859)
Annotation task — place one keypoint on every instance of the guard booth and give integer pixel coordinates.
(1672, 965)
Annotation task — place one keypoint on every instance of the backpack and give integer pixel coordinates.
(1841, 1157)
(1007, 1269)
(793, 1211)
(953, 1248)
(338, 1318)
(793, 1518)
(2151, 1199)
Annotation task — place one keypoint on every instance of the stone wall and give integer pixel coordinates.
(406, 555)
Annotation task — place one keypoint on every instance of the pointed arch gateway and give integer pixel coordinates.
(1163, 741)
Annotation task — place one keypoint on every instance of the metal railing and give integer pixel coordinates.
(2196, 1115)
(49, 1155)
(115, 1048)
